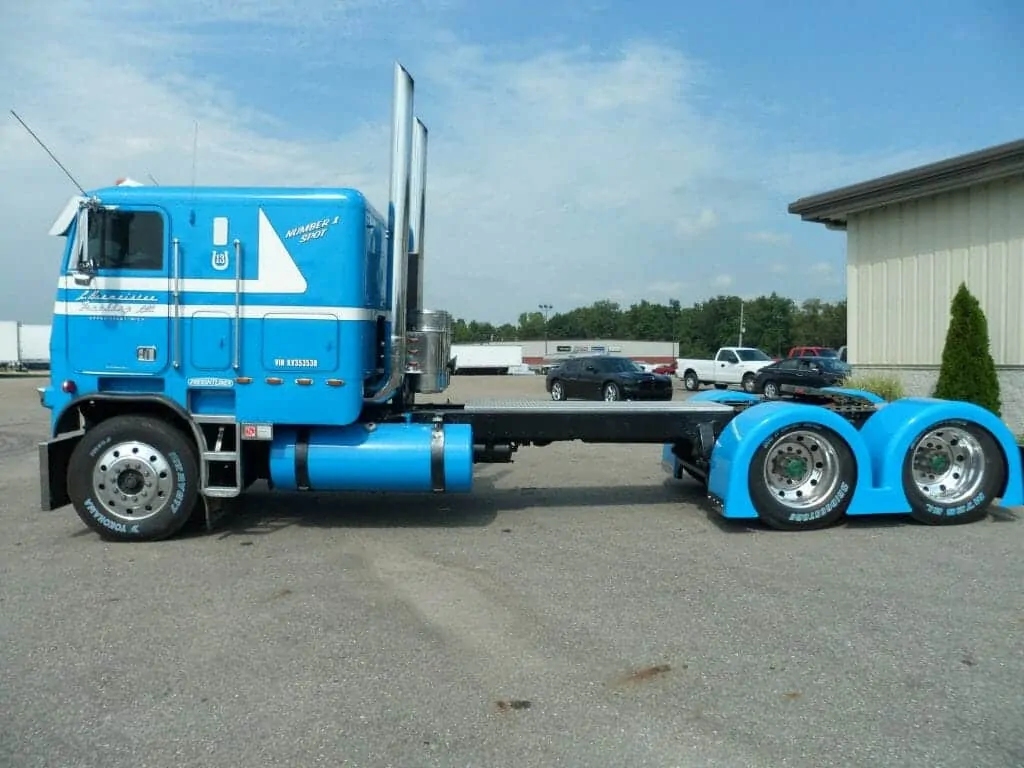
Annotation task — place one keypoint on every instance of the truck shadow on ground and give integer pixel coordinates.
(261, 512)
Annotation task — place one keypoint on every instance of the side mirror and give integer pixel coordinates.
(83, 269)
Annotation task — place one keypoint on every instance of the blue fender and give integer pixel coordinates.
(723, 396)
(863, 394)
(736, 445)
(889, 433)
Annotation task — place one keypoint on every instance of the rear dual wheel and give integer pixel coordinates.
(952, 473)
(802, 477)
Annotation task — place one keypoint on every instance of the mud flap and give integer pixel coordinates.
(54, 456)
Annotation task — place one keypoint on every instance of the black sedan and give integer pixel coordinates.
(811, 372)
(605, 377)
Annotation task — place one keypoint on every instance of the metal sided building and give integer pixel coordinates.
(912, 238)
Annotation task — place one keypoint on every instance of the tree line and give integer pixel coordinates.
(773, 323)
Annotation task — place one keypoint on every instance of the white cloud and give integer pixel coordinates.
(705, 221)
(552, 174)
(771, 238)
(721, 282)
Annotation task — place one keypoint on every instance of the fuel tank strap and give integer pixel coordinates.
(302, 460)
(437, 458)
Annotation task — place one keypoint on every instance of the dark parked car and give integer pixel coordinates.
(605, 377)
(800, 372)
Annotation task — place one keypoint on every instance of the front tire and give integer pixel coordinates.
(771, 390)
(748, 383)
(952, 473)
(134, 478)
(558, 391)
(802, 477)
(691, 382)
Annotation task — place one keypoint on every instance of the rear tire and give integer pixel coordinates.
(134, 478)
(558, 391)
(952, 473)
(610, 392)
(691, 382)
(771, 390)
(802, 477)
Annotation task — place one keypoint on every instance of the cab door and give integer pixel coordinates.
(118, 290)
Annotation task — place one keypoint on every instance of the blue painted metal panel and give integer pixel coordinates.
(314, 260)
(735, 448)
(891, 431)
(723, 396)
(387, 457)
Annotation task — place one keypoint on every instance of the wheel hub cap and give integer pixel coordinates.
(948, 465)
(132, 481)
(802, 469)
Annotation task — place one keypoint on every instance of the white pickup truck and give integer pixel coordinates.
(736, 366)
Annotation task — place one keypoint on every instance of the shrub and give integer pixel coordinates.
(968, 372)
(888, 388)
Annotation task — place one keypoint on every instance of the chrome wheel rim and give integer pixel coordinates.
(132, 481)
(948, 465)
(801, 469)
(770, 391)
(609, 394)
(556, 391)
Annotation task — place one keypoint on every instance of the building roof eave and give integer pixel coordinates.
(834, 207)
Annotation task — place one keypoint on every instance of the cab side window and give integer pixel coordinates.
(126, 240)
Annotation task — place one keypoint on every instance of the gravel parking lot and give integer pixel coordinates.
(577, 610)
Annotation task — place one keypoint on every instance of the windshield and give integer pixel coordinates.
(751, 355)
(834, 364)
(622, 365)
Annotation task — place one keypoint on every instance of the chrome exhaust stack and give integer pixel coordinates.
(417, 215)
(428, 363)
(398, 240)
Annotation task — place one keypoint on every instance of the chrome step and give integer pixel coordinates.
(589, 406)
(221, 492)
(215, 453)
(220, 455)
(214, 418)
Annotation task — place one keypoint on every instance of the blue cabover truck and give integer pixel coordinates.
(205, 338)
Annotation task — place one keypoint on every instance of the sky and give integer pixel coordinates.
(578, 151)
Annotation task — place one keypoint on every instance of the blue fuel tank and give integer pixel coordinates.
(374, 457)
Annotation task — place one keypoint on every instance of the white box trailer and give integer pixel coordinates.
(34, 346)
(10, 360)
(486, 359)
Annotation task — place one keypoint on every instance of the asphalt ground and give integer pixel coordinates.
(577, 609)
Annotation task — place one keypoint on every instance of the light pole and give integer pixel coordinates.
(545, 308)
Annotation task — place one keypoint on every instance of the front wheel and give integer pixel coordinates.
(802, 477)
(134, 478)
(557, 391)
(952, 473)
(771, 390)
(748, 383)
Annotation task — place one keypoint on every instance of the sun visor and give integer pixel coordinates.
(63, 222)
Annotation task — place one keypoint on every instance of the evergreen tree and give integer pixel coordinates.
(968, 372)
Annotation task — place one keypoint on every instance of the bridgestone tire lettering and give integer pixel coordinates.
(830, 511)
